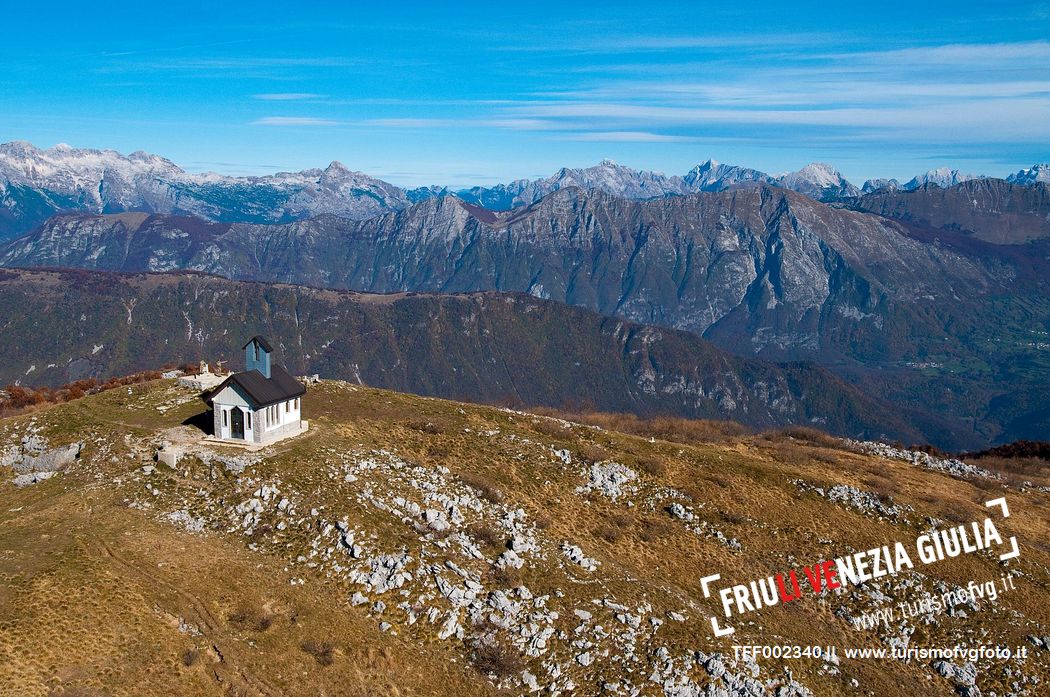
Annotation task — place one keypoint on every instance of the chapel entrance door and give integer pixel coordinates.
(236, 423)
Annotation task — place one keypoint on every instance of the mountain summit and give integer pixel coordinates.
(818, 180)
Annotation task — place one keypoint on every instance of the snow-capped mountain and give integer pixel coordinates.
(818, 180)
(715, 176)
(942, 177)
(35, 183)
(1036, 174)
(617, 180)
(606, 176)
(873, 185)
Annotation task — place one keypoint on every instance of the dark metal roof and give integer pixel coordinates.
(262, 342)
(280, 386)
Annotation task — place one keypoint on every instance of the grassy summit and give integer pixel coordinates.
(408, 545)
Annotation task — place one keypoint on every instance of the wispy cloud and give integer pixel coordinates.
(972, 54)
(293, 121)
(625, 137)
(287, 96)
(516, 124)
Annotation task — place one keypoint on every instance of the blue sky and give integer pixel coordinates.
(471, 93)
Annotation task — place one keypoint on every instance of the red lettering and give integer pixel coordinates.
(784, 595)
(830, 571)
(815, 579)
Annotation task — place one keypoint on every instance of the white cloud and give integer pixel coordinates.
(626, 137)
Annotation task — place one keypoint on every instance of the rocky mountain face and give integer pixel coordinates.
(873, 185)
(776, 267)
(758, 271)
(1039, 174)
(942, 177)
(820, 181)
(817, 180)
(488, 347)
(606, 176)
(715, 176)
(991, 210)
(36, 183)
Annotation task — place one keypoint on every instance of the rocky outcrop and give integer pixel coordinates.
(990, 210)
(33, 461)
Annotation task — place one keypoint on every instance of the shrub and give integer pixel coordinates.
(652, 466)
(548, 427)
(486, 534)
(503, 577)
(809, 435)
(15, 398)
(492, 657)
(322, 651)
(591, 452)
(189, 657)
(245, 617)
(425, 426)
(485, 487)
(1021, 449)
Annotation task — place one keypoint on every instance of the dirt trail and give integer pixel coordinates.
(195, 610)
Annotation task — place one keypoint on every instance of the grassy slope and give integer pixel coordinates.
(92, 590)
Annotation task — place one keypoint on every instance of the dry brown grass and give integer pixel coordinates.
(504, 577)
(487, 535)
(882, 486)
(1016, 469)
(653, 529)
(614, 527)
(592, 452)
(645, 554)
(554, 429)
(807, 434)
(651, 465)
(485, 487)
(674, 429)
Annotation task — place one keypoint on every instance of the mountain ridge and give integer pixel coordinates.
(36, 183)
(485, 347)
(758, 271)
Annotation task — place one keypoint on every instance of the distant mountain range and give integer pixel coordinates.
(931, 301)
(37, 183)
(510, 349)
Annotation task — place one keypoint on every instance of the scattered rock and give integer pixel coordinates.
(608, 478)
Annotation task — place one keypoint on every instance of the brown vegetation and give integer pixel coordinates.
(322, 651)
(257, 619)
(668, 428)
(503, 576)
(486, 535)
(1021, 449)
(485, 487)
(15, 399)
(492, 657)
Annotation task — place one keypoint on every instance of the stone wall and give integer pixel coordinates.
(262, 436)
